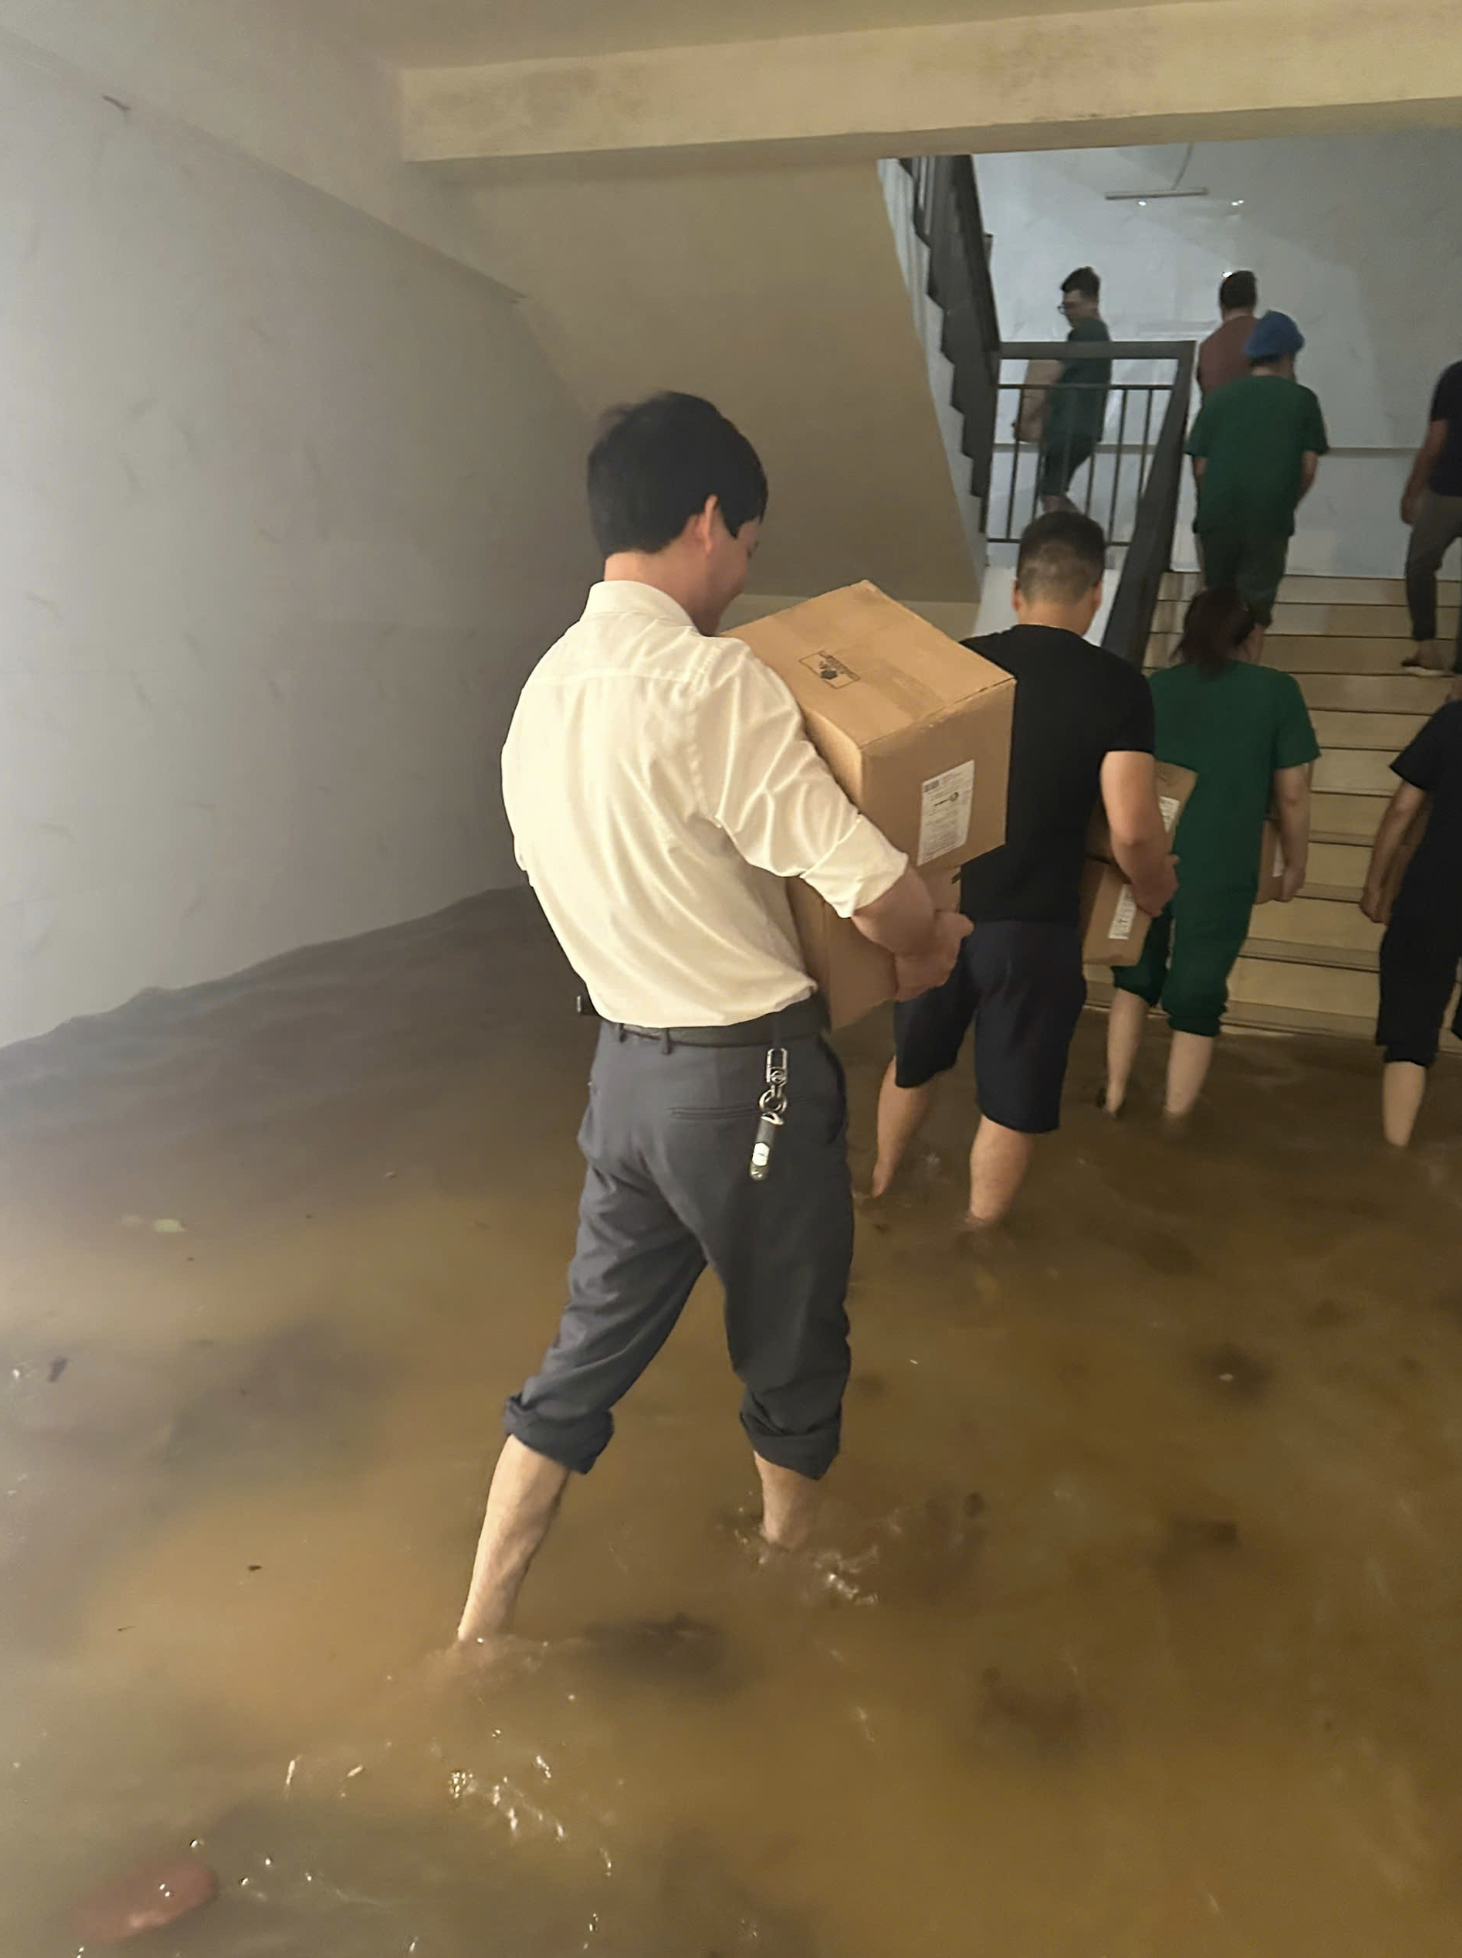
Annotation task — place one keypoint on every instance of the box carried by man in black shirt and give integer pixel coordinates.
(1083, 729)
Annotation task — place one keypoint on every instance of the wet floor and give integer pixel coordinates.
(1135, 1630)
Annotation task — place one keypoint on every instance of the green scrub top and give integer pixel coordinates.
(1254, 435)
(1233, 729)
(1078, 404)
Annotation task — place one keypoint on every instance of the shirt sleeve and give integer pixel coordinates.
(1202, 431)
(771, 792)
(1317, 442)
(1134, 724)
(1425, 760)
(1294, 733)
(1447, 396)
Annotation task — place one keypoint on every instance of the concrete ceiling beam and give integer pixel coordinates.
(1215, 68)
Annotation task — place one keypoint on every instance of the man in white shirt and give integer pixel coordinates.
(660, 785)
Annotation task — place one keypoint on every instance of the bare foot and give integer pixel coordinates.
(467, 1659)
(972, 1226)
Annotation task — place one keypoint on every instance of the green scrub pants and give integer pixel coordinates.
(1249, 562)
(1188, 955)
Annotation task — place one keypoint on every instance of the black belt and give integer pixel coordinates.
(808, 1016)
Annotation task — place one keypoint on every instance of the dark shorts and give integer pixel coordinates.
(1251, 563)
(1419, 960)
(1022, 986)
(667, 1191)
(1060, 461)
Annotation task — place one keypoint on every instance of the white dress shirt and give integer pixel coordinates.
(659, 785)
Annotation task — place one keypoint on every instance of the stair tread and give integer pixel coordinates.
(1287, 951)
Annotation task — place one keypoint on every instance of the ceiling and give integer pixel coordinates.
(424, 33)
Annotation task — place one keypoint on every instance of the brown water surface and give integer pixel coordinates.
(1135, 1630)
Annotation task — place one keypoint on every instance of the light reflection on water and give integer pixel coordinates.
(1133, 1630)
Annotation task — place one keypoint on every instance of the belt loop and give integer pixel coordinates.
(665, 1040)
(619, 1033)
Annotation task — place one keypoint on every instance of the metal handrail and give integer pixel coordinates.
(1150, 554)
(947, 219)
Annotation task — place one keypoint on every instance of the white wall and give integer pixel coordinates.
(288, 506)
(272, 78)
(1360, 237)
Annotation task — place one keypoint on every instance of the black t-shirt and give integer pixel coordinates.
(1074, 705)
(1432, 886)
(1446, 476)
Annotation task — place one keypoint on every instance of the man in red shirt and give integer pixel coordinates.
(1221, 358)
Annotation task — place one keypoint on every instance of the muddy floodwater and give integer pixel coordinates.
(1134, 1629)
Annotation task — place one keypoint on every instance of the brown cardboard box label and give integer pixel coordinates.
(944, 812)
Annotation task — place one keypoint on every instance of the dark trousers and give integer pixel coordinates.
(1420, 955)
(1438, 526)
(667, 1139)
(1251, 563)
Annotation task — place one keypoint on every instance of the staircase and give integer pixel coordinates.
(1311, 965)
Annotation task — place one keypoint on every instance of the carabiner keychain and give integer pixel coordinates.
(773, 1112)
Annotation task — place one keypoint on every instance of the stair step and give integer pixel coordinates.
(1345, 728)
(1365, 621)
(1346, 818)
(1325, 653)
(1317, 923)
(1323, 958)
(1373, 693)
(1311, 588)
(1333, 893)
(1339, 862)
(1261, 981)
(1355, 771)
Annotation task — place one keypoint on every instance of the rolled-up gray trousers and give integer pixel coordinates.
(667, 1139)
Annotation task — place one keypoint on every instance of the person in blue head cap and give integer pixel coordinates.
(1255, 446)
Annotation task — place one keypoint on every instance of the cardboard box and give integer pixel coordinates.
(1174, 786)
(1113, 929)
(1271, 863)
(916, 730)
(853, 974)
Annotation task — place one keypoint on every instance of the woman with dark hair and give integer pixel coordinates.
(1245, 731)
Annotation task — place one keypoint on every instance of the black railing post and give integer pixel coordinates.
(1150, 554)
(947, 219)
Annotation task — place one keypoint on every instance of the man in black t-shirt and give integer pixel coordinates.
(1083, 728)
(1432, 505)
(1422, 948)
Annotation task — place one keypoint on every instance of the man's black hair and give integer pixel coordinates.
(656, 464)
(1084, 281)
(1061, 556)
(1239, 293)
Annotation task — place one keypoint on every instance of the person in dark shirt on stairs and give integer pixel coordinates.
(1083, 728)
(1076, 410)
(1222, 357)
(1422, 948)
(1431, 506)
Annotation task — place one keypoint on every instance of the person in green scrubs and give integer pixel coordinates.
(1245, 732)
(1255, 446)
